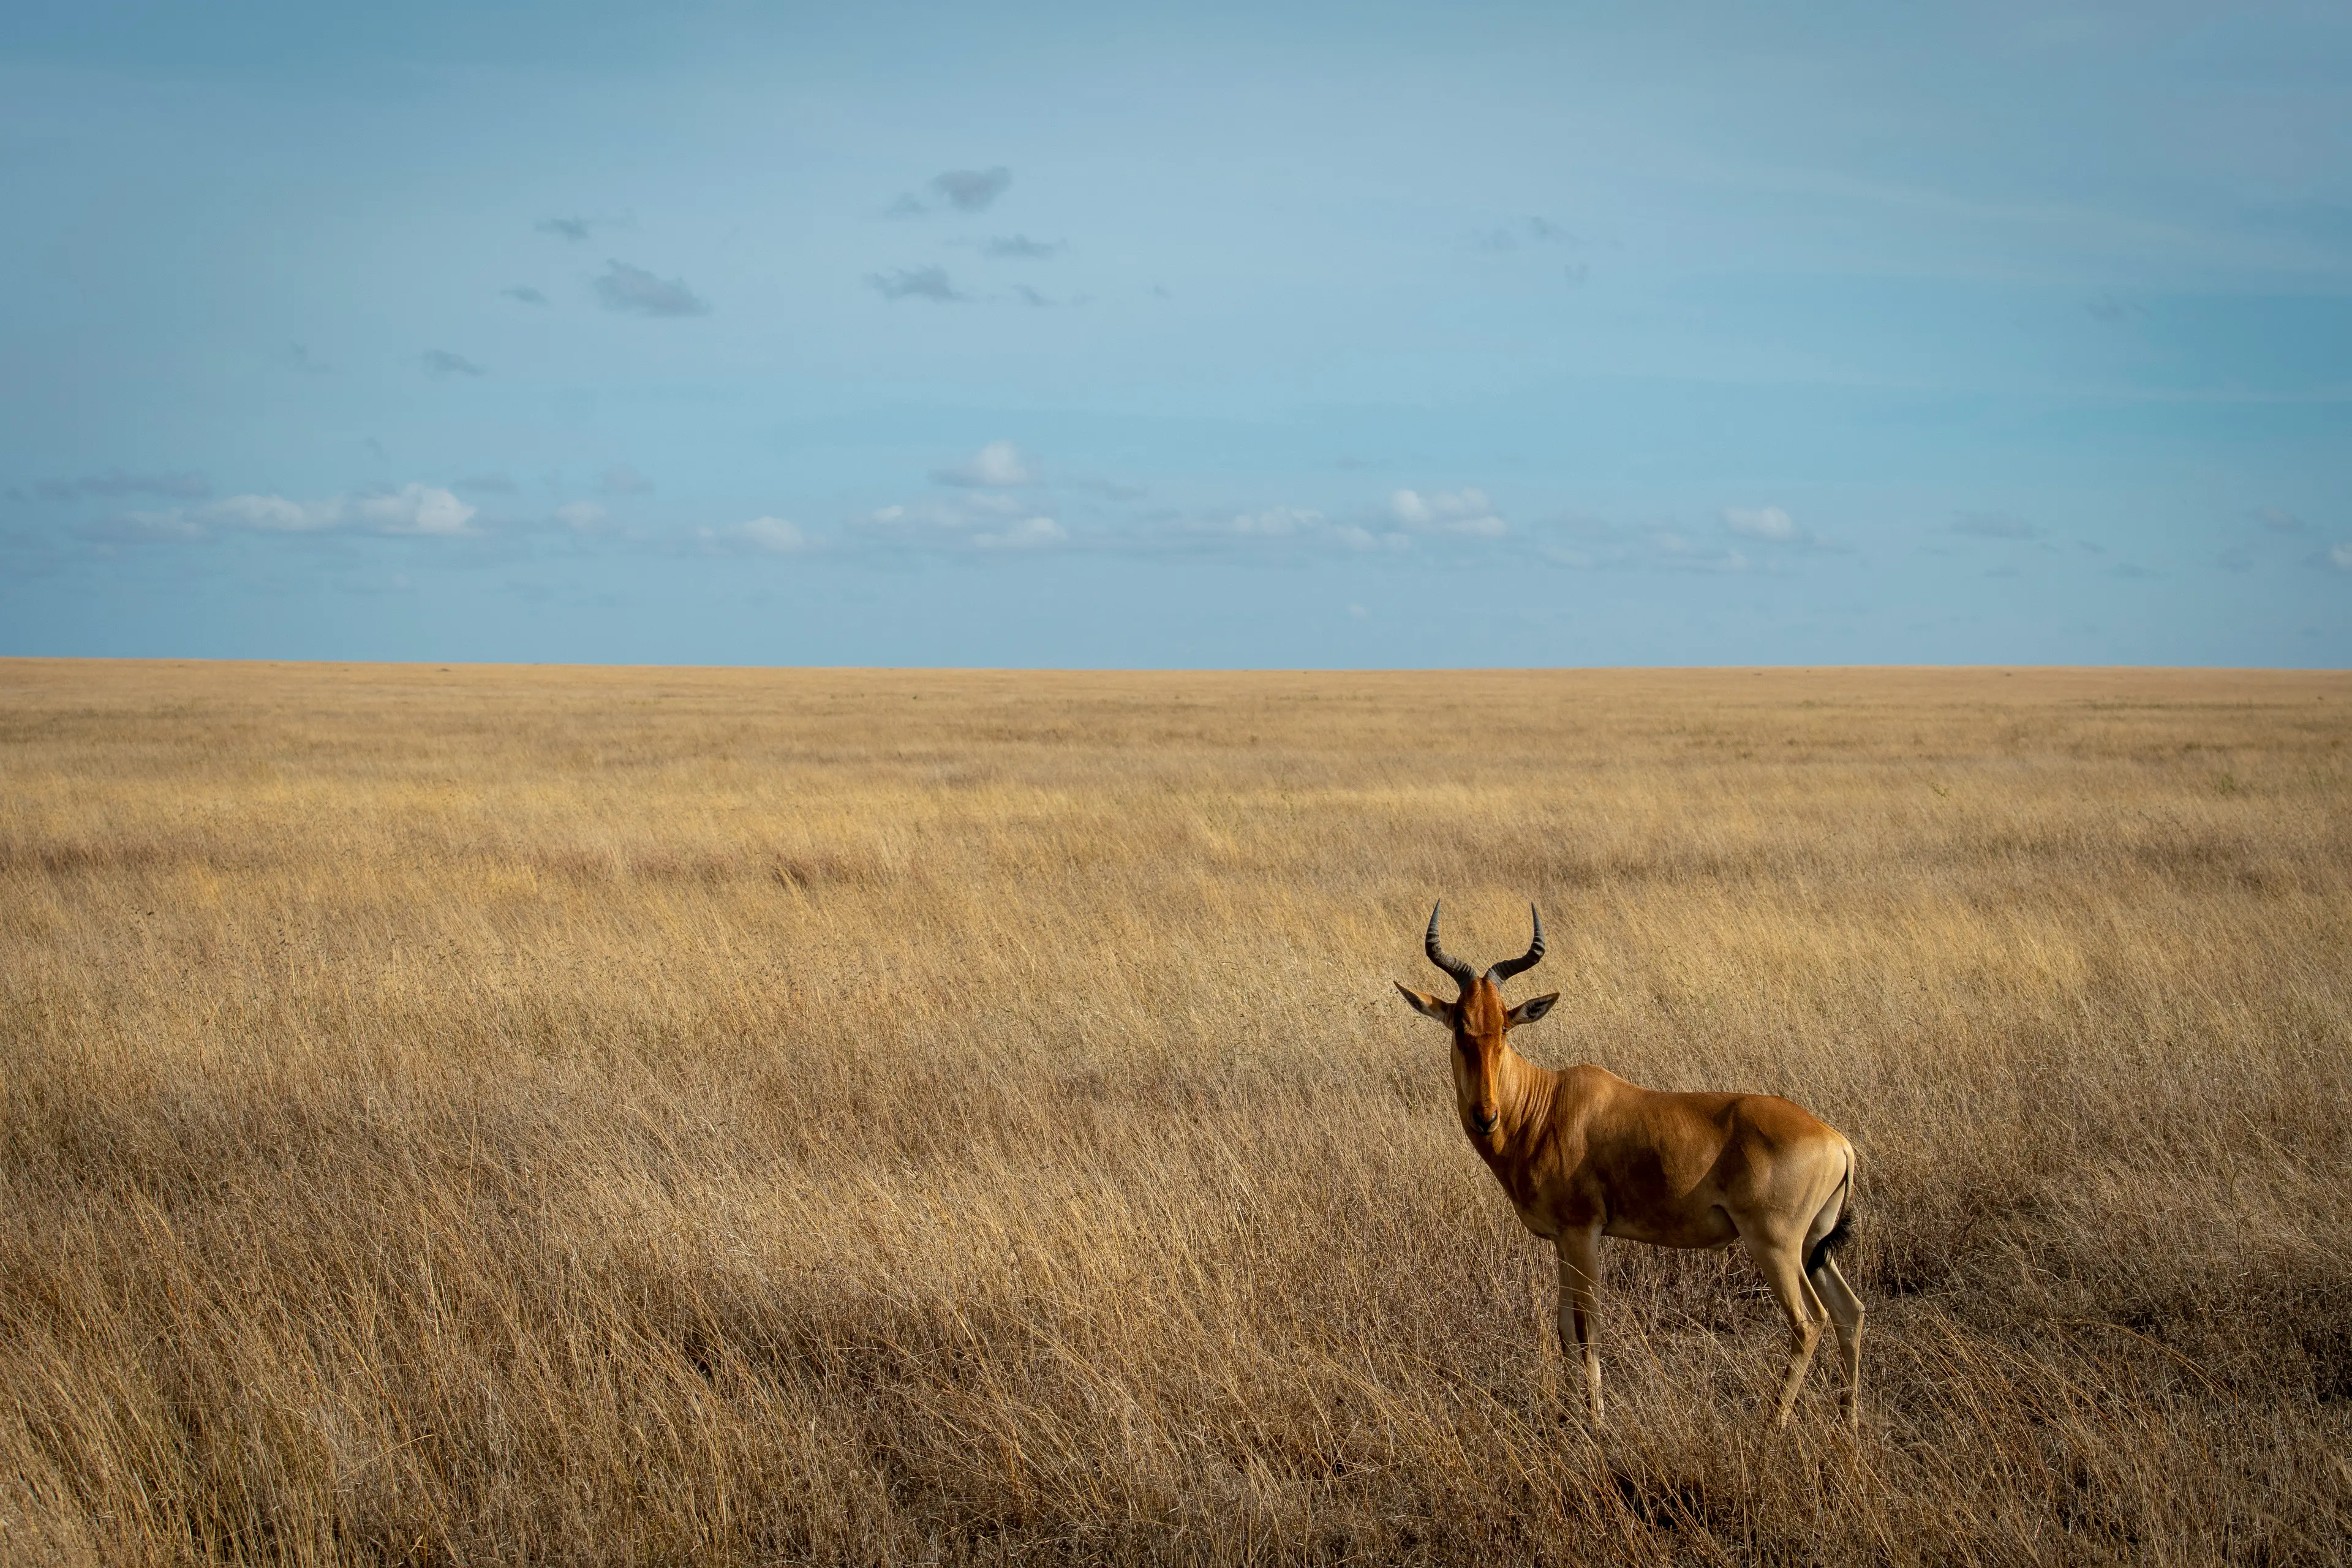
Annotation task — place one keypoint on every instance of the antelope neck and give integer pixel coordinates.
(1524, 1093)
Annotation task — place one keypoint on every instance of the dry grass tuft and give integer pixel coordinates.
(497, 1115)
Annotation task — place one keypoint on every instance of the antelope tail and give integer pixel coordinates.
(1839, 1233)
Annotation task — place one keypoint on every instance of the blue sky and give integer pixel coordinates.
(1268, 335)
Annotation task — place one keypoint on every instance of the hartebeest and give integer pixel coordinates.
(1583, 1154)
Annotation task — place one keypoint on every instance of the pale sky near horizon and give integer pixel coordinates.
(1267, 335)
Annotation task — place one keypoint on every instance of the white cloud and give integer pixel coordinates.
(1469, 512)
(412, 509)
(580, 514)
(773, 534)
(1031, 533)
(1760, 522)
(2340, 557)
(925, 514)
(998, 465)
(621, 479)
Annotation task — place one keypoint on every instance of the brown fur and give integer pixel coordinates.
(1583, 1154)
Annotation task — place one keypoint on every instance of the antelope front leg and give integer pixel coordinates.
(1579, 1293)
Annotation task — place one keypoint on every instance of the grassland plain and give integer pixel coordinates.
(503, 1115)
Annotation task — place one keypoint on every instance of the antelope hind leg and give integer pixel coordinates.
(1785, 1273)
(1845, 1311)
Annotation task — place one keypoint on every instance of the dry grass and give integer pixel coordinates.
(499, 1115)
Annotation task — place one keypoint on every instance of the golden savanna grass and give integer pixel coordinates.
(514, 1115)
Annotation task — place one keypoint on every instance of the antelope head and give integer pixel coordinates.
(1479, 1021)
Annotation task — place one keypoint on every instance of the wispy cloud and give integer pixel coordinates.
(580, 230)
(761, 536)
(410, 509)
(299, 357)
(1277, 532)
(274, 513)
(1760, 522)
(2340, 557)
(998, 465)
(142, 528)
(972, 190)
(1773, 526)
(496, 482)
(1518, 233)
(620, 479)
(525, 293)
(115, 484)
(442, 362)
(1029, 533)
(635, 291)
(964, 190)
(2277, 520)
(917, 283)
(1020, 248)
(1587, 543)
(1996, 525)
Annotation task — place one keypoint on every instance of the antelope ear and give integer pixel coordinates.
(1529, 1011)
(1428, 1006)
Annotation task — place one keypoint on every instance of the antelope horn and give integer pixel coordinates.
(1511, 966)
(1464, 975)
